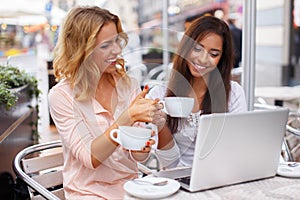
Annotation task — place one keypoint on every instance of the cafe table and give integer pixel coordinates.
(279, 94)
(270, 188)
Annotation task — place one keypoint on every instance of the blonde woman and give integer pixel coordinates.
(93, 96)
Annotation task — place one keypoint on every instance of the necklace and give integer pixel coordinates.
(194, 118)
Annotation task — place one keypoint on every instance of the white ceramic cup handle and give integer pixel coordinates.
(116, 139)
(164, 104)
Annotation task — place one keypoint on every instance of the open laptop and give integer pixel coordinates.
(233, 148)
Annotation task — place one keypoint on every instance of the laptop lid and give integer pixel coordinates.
(233, 148)
(237, 147)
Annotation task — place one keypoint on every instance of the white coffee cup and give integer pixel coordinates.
(178, 106)
(130, 137)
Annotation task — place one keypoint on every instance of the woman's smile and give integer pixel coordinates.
(199, 67)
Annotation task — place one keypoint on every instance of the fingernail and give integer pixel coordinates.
(146, 87)
(148, 143)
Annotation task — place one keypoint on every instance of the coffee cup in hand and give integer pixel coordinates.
(130, 137)
(178, 106)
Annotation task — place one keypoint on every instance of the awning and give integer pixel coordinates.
(28, 12)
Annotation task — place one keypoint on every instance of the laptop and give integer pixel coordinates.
(233, 148)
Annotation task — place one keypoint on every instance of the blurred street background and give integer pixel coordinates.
(30, 28)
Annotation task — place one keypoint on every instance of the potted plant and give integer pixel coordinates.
(18, 88)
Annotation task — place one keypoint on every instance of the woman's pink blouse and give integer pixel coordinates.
(78, 124)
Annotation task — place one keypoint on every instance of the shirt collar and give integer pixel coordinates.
(98, 108)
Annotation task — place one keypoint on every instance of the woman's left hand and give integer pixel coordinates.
(148, 145)
(144, 153)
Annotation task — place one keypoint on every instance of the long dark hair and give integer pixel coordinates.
(181, 79)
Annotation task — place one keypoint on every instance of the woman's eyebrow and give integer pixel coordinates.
(106, 42)
(109, 40)
(213, 49)
(219, 50)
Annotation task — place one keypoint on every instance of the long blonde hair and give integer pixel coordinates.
(76, 43)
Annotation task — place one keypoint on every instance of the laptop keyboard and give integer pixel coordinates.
(185, 180)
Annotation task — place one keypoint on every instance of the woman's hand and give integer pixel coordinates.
(160, 117)
(144, 153)
(145, 110)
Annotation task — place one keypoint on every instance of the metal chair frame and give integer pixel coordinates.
(293, 115)
(18, 168)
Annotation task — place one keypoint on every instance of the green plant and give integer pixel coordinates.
(10, 78)
(7, 97)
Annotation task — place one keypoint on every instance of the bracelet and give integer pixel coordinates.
(131, 156)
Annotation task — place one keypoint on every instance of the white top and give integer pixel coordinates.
(183, 151)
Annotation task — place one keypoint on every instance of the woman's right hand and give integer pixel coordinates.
(145, 110)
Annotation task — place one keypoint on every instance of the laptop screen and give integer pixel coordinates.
(235, 147)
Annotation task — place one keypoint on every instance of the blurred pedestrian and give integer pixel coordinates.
(43, 44)
(236, 39)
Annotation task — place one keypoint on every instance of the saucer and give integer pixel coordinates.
(288, 170)
(149, 191)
